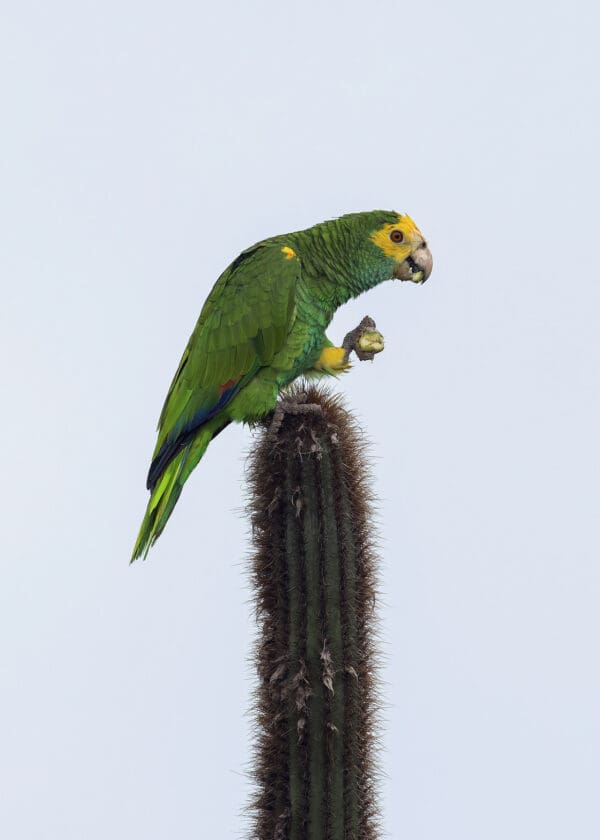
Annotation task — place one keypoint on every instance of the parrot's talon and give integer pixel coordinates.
(296, 406)
(364, 340)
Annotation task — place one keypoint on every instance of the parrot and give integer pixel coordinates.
(263, 326)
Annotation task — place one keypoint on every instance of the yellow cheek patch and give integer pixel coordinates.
(289, 252)
(397, 251)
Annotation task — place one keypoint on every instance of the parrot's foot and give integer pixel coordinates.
(364, 340)
(296, 406)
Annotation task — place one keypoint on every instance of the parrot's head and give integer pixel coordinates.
(405, 248)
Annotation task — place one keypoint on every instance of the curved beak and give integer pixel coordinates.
(416, 267)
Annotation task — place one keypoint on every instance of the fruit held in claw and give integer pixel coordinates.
(371, 342)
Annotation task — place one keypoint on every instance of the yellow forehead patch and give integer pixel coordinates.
(398, 251)
(289, 252)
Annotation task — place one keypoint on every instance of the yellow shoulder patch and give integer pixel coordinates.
(289, 252)
(398, 251)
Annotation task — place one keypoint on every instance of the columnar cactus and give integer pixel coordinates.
(315, 583)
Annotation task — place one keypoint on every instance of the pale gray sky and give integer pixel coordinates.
(143, 146)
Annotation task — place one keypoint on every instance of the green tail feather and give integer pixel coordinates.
(168, 489)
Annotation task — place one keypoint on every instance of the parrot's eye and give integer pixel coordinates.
(397, 236)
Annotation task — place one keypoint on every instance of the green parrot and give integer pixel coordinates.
(262, 326)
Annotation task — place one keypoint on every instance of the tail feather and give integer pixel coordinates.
(168, 488)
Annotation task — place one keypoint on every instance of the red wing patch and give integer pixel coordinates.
(226, 386)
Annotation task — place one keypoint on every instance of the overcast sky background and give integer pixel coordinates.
(143, 145)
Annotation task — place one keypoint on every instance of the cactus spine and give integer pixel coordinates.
(314, 577)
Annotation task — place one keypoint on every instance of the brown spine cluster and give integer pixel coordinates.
(314, 576)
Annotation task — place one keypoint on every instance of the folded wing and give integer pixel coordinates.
(243, 324)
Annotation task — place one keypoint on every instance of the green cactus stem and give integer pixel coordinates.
(314, 574)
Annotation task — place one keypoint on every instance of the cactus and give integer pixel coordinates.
(314, 576)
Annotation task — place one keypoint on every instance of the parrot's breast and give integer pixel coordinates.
(304, 342)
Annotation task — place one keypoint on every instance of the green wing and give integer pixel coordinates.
(243, 324)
